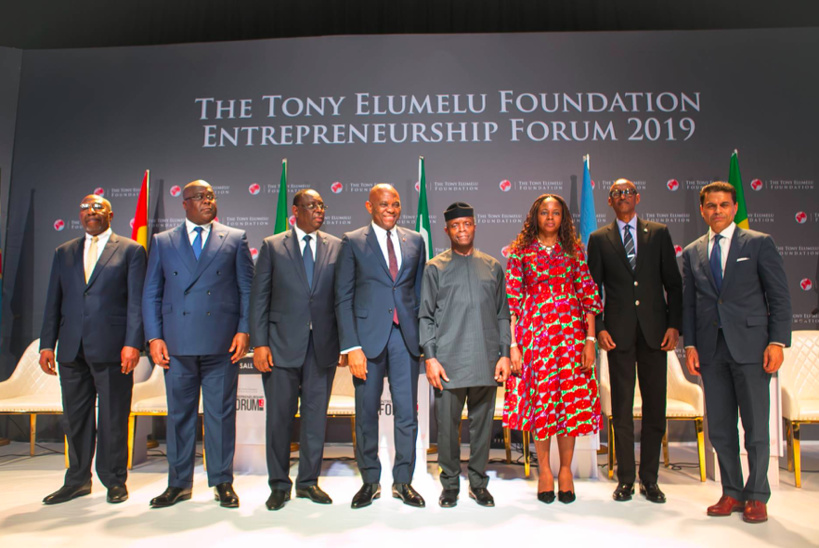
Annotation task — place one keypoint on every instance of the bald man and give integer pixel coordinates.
(196, 307)
(93, 308)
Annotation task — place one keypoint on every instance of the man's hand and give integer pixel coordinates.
(342, 360)
(605, 341)
(692, 361)
(262, 359)
(515, 360)
(772, 358)
(239, 346)
(588, 356)
(130, 358)
(435, 372)
(502, 369)
(670, 339)
(358, 363)
(159, 353)
(47, 362)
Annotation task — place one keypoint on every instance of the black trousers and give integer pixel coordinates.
(83, 384)
(651, 372)
(282, 389)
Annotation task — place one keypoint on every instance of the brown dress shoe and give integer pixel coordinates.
(725, 506)
(755, 512)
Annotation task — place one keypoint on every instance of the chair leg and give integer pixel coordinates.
(507, 443)
(131, 434)
(789, 438)
(65, 443)
(665, 446)
(204, 458)
(32, 436)
(700, 447)
(611, 449)
(797, 456)
(527, 457)
(352, 428)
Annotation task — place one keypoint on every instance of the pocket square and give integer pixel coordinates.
(743, 259)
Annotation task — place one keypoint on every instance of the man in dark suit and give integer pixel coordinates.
(378, 285)
(634, 265)
(295, 338)
(196, 309)
(94, 309)
(736, 321)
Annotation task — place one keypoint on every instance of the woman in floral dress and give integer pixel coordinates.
(553, 301)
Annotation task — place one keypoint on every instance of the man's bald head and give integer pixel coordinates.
(384, 205)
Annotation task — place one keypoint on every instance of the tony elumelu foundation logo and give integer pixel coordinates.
(254, 189)
(336, 187)
(806, 284)
(801, 217)
(59, 225)
(99, 191)
(175, 191)
(673, 185)
(505, 185)
(756, 185)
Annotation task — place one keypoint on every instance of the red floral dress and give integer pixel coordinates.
(550, 294)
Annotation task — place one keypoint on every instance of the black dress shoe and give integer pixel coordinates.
(566, 497)
(652, 492)
(482, 496)
(366, 495)
(448, 498)
(408, 495)
(547, 497)
(226, 496)
(68, 492)
(623, 492)
(117, 494)
(171, 496)
(314, 493)
(277, 499)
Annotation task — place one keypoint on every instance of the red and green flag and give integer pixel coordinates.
(735, 179)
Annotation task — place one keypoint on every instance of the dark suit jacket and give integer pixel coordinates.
(753, 305)
(655, 278)
(197, 307)
(283, 307)
(366, 293)
(103, 315)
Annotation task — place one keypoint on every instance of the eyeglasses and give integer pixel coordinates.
(618, 193)
(96, 206)
(199, 196)
(312, 206)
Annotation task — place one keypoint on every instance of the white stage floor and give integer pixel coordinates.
(519, 519)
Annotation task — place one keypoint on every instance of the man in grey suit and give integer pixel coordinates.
(465, 334)
(378, 285)
(295, 338)
(94, 309)
(736, 321)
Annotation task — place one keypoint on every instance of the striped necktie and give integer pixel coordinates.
(628, 242)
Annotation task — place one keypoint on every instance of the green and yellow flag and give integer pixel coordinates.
(422, 223)
(735, 179)
(282, 216)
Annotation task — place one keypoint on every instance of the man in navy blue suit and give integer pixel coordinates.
(196, 309)
(93, 308)
(378, 288)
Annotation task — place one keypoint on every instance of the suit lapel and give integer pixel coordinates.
(182, 244)
(107, 252)
(321, 256)
(613, 236)
(292, 246)
(373, 243)
(737, 243)
(642, 243)
(79, 260)
(212, 246)
(705, 264)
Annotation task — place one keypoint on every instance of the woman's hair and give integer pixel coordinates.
(565, 232)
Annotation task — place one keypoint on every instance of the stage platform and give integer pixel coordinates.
(517, 520)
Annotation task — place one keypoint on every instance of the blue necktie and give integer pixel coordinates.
(628, 242)
(307, 255)
(197, 242)
(716, 262)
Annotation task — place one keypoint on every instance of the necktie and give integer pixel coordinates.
(393, 270)
(197, 242)
(307, 256)
(716, 262)
(91, 258)
(628, 242)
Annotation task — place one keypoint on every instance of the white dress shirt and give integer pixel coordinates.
(381, 236)
(621, 227)
(300, 234)
(724, 243)
(189, 226)
(102, 241)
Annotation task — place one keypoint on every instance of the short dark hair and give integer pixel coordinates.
(718, 186)
(299, 194)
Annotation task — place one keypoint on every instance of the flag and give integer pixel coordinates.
(139, 232)
(735, 179)
(282, 217)
(422, 223)
(588, 217)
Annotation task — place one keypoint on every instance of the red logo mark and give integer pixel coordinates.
(756, 184)
(678, 250)
(131, 222)
(806, 284)
(175, 191)
(801, 217)
(505, 185)
(99, 191)
(292, 220)
(59, 224)
(336, 187)
(592, 183)
(672, 185)
(254, 253)
(254, 189)
(417, 186)
(505, 251)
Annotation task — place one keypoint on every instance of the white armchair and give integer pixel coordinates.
(685, 401)
(342, 397)
(799, 379)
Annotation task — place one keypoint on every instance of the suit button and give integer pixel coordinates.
(635, 283)
(637, 303)
(208, 291)
(184, 313)
(218, 272)
(174, 273)
(187, 291)
(390, 310)
(208, 313)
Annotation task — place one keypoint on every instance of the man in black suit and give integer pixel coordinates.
(634, 265)
(293, 329)
(736, 321)
(93, 308)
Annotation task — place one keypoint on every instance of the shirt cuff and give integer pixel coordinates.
(777, 344)
(429, 351)
(505, 351)
(348, 350)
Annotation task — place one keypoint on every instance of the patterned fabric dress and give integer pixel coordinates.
(550, 294)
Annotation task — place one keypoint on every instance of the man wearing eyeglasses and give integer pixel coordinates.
(93, 307)
(196, 309)
(634, 264)
(295, 338)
